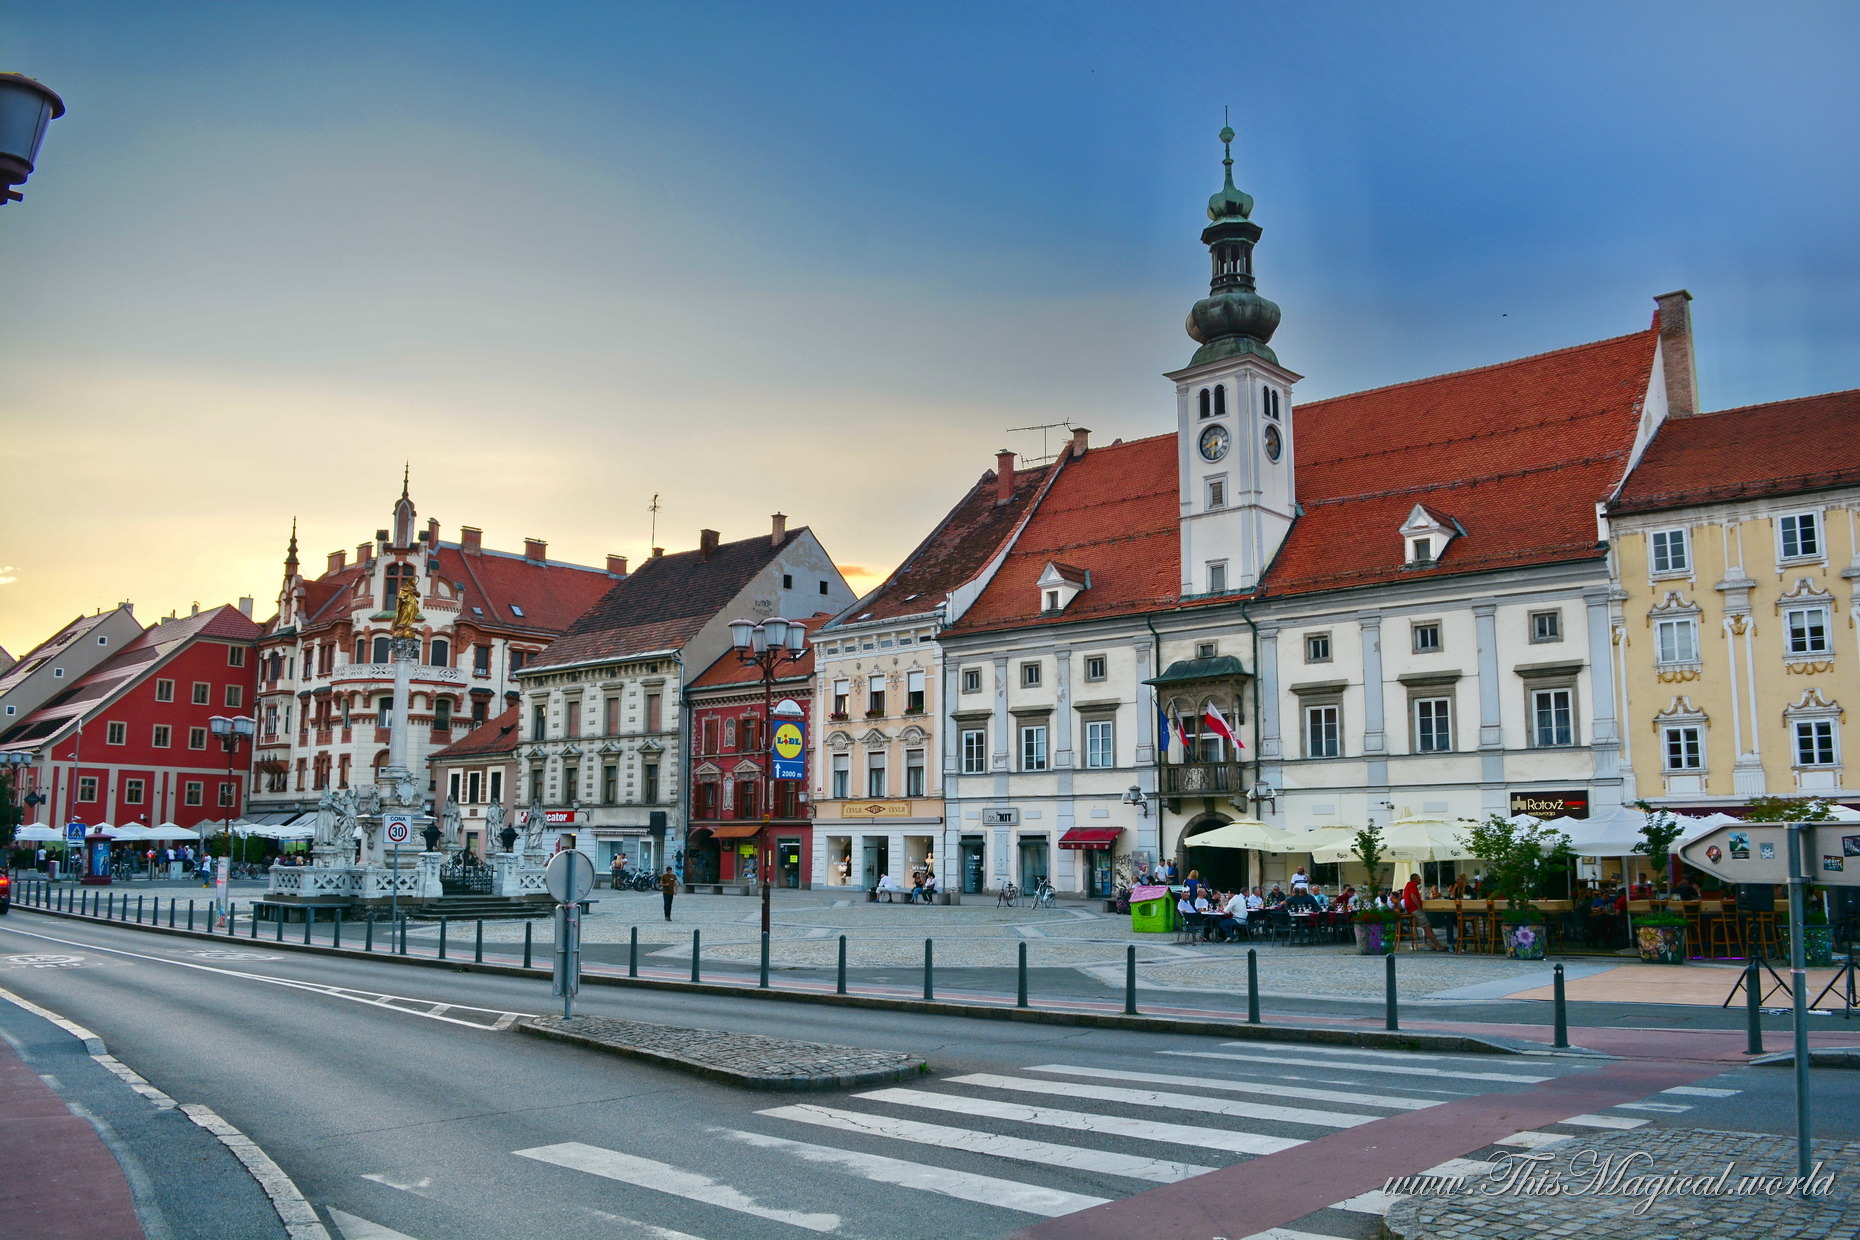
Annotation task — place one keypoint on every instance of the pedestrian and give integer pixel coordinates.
(668, 887)
(618, 866)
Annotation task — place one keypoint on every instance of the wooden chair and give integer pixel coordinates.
(1695, 930)
(1760, 935)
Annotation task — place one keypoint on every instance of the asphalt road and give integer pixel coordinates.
(393, 1112)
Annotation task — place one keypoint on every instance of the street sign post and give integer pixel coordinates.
(568, 877)
(398, 828)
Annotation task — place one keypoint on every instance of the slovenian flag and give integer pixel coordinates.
(1213, 721)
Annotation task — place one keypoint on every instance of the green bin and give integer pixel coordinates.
(1153, 916)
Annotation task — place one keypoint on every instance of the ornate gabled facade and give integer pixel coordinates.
(326, 672)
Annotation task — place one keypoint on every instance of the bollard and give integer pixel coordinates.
(368, 932)
(1753, 1009)
(632, 954)
(1130, 979)
(1252, 986)
(694, 955)
(929, 969)
(442, 938)
(1021, 998)
(841, 988)
(309, 923)
(336, 931)
(1393, 1022)
(171, 901)
(109, 907)
(139, 900)
(477, 951)
(190, 916)
(529, 928)
(764, 982)
(1561, 1040)
(279, 915)
(403, 934)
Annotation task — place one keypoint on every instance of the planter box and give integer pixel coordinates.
(1525, 940)
(1661, 944)
(1375, 938)
(1817, 945)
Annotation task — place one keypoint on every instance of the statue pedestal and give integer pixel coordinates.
(512, 875)
(426, 868)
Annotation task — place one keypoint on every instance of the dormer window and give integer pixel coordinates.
(1052, 600)
(1425, 536)
(1060, 584)
(1420, 551)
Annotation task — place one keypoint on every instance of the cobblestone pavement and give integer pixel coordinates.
(1600, 1198)
(742, 1058)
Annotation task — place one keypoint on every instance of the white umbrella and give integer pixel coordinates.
(1248, 833)
(132, 831)
(39, 833)
(1424, 839)
(168, 831)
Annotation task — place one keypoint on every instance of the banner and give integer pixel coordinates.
(788, 751)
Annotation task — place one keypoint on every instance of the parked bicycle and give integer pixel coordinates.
(1009, 896)
(1042, 895)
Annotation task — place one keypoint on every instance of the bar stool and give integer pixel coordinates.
(1760, 936)
(1695, 930)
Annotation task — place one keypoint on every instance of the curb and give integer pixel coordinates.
(1818, 1057)
(745, 1080)
(1240, 1030)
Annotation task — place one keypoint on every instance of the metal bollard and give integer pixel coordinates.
(190, 915)
(403, 934)
(695, 943)
(841, 988)
(1021, 999)
(139, 900)
(278, 914)
(632, 954)
(1392, 1022)
(171, 903)
(477, 950)
(764, 982)
(109, 907)
(1130, 980)
(1561, 1040)
(1252, 986)
(929, 969)
(442, 938)
(232, 921)
(529, 929)
(336, 931)
(309, 924)
(368, 933)
(1753, 1009)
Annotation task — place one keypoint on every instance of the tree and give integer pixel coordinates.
(1522, 863)
(1788, 809)
(1657, 836)
(1368, 850)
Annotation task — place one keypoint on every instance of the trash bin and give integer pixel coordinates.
(1155, 915)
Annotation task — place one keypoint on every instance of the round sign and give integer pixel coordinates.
(569, 876)
(397, 831)
(1714, 852)
(788, 740)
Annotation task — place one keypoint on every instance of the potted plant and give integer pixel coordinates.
(1661, 938)
(1817, 935)
(1522, 863)
(1367, 848)
(1375, 931)
(1656, 839)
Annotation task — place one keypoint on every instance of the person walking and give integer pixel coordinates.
(668, 887)
(619, 866)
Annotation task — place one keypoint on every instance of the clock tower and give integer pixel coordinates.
(1234, 442)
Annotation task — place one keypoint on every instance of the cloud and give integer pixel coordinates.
(4, 580)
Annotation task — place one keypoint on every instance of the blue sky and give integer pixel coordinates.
(820, 257)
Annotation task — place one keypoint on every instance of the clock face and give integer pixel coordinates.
(1274, 445)
(1213, 443)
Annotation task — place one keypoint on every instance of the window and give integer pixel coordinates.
(571, 784)
(875, 774)
(571, 717)
(452, 787)
(1217, 493)
(481, 660)
(193, 791)
(610, 716)
(1100, 735)
(1094, 667)
(235, 695)
(536, 783)
(87, 789)
(652, 712)
(875, 695)
(160, 737)
(787, 581)
(1808, 630)
(745, 793)
(842, 776)
(971, 680)
(1206, 650)
(1420, 551)
(1546, 626)
(1814, 742)
(1321, 731)
(1685, 750)
(361, 650)
(58, 673)
(227, 790)
(1271, 400)
(750, 734)
(1433, 725)
(1677, 641)
(203, 693)
(913, 772)
(518, 658)
(164, 691)
(610, 785)
(842, 695)
(132, 792)
(1052, 600)
(235, 655)
(914, 692)
(1801, 535)
(1030, 675)
(1427, 637)
(440, 654)
(712, 733)
(1205, 400)
(196, 738)
(516, 611)
(539, 721)
(1317, 648)
(497, 785)
(1033, 747)
(116, 734)
(442, 715)
(384, 650)
(974, 751)
(1669, 551)
(1220, 400)
(474, 787)
(1217, 576)
(1552, 718)
(823, 587)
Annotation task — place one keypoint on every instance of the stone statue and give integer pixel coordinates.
(327, 818)
(494, 819)
(454, 836)
(533, 827)
(406, 610)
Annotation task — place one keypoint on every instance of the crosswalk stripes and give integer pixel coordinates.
(353, 1227)
(1377, 1201)
(1701, 1091)
(1535, 1140)
(1394, 1069)
(1273, 1089)
(1605, 1121)
(665, 1178)
(1159, 1098)
(1090, 1121)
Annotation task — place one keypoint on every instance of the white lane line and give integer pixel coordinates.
(665, 1178)
(298, 1215)
(986, 1189)
(1243, 1087)
(1603, 1121)
(354, 1227)
(1377, 1201)
(650, 1230)
(1663, 1108)
(1532, 1140)
(92, 1043)
(1701, 1091)
(1286, 1233)
(1085, 1121)
(1045, 1153)
(1400, 1069)
(1157, 1098)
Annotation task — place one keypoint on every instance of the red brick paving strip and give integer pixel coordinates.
(58, 1180)
(1274, 1190)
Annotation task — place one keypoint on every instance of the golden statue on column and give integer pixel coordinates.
(406, 610)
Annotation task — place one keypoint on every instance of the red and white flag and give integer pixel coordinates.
(1213, 721)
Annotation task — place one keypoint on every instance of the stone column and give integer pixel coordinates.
(1491, 719)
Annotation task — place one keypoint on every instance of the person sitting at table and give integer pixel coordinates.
(1685, 890)
(1185, 910)
(1433, 893)
(1255, 901)
(1345, 899)
(1300, 901)
(1411, 904)
(1317, 894)
(1215, 923)
(1275, 897)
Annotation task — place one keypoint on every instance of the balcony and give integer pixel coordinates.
(385, 672)
(1202, 779)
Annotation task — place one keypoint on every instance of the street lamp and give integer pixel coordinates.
(26, 108)
(232, 733)
(767, 647)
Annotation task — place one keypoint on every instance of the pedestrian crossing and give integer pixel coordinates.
(1036, 1142)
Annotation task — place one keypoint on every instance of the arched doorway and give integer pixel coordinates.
(1225, 868)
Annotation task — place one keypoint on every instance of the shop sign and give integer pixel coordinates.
(787, 751)
(1550, 804)
(1000, 817)
(875, 809)
(561, 815)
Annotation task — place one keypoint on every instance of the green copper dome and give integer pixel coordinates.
(1232, 319)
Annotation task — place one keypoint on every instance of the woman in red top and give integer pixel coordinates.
(1411, 903)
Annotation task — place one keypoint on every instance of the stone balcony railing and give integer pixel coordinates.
(385, 672)
(1202, 778)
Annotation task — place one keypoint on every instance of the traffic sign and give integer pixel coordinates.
(1758, 852)
(398, 827)
(74, 830)
(788, 746)
(569, 876)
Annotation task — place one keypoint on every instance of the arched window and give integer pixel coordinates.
(361, 650)
(396, 574)
(1220, 401)
(384, 650)
(441, 655)
(1205, 410)
(1271, 397)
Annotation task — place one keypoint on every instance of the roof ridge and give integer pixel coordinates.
(1769, 404)
(1473, 370)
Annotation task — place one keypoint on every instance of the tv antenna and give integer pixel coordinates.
(1044, 428)
(653, 508)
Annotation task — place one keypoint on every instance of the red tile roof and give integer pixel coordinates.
(553, 595)
(730, 670)
(1787, 447)
(492, 737)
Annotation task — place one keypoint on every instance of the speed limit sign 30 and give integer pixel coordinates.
(399, 827)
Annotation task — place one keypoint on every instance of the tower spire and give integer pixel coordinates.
(290, 557)
(1232, 319)
(406, 468)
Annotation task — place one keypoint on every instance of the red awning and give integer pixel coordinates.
(734, 830)
(1090, 837)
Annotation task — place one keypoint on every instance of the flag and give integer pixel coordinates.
(1162, 725)
(1181, 730)
(1213, 721)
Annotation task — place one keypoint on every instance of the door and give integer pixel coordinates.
(1033, 862)
(877, 859)
(788, 862)
(1097, 871)
(972, 858)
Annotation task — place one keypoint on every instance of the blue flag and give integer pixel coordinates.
(1162, 729)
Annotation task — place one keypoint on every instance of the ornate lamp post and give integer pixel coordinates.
(26, 108)
(767, 646)
(232, 734)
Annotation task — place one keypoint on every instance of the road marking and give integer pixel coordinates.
(355, 1228)
(665, 1178)
(1378, 1202)
(1603, 1121)
(298, 1215)
(1534, 1140)
(1085, 1121)
(1243, 1087)
(651, 1231)
(962, 1185)
(93, 1044)
(1404, 1070)
(1162, 1171)
(1157, 1098)
(1664, 1108)
(416, 1187)
(1308, 1049)
(1286, 1233)
(1701, 1091)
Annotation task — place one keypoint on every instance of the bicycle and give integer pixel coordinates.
(1009, 896)
(1042, 896)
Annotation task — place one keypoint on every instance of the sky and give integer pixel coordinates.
(821, 258)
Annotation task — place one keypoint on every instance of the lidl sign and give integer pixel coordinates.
(788, 751)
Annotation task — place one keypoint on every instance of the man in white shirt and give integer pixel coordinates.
(1254, 900)
(1317, 893)
(1300, 879)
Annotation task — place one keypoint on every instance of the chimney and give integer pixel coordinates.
(657, 552)
(707, 544)
(1004, 476)
(432, 534)
(364, 552)
(338, 560)
(471, 538)
(779, 529)
(535, 549)
(245, 606)
(616, 566)
(1682, 377)
(196, 610)
(1081, 439)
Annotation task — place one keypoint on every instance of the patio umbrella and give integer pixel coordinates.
(39, 833)
(168, 831)
(1248, 833)
(1414, 839)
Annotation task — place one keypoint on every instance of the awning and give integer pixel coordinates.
(735, 830)
(1187, 671)
(1090, 837)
